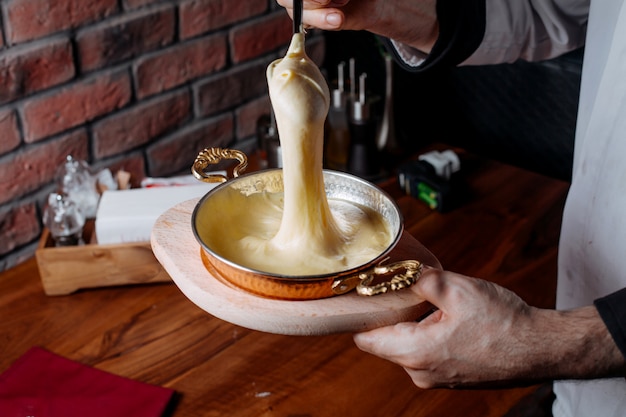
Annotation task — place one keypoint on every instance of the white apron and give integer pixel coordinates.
(592, 252)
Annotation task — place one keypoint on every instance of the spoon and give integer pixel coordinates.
(297, 16)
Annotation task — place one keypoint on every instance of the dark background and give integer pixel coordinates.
(522, 113)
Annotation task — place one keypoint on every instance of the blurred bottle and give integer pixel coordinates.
(64, 220)
(262, 128)
(338, 138)
(386, 139)
(268, 142)
(363, 153)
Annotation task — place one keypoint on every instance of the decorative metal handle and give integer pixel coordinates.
(211, 156)
(381, 278)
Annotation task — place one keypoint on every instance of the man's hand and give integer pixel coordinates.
(411, 22)
(484, 335)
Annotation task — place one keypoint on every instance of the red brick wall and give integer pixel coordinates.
(136, 84)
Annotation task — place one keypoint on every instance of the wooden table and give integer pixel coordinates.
(506, 231)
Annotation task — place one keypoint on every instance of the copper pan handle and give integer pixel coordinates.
(211, 156)
(381, 278)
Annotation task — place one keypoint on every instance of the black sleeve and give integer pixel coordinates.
(612, 309)
(461, 30)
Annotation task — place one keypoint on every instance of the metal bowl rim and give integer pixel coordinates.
(299, 278)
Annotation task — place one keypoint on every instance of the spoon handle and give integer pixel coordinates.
(297, 16)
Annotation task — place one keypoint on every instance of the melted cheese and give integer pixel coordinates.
(299, 231)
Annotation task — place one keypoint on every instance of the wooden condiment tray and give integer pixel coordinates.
(65, 270)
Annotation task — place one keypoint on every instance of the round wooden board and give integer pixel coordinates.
(176, 248)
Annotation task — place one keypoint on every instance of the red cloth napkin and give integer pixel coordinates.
(43, 384)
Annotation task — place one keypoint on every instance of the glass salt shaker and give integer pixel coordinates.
(64, 220)
(77, 183)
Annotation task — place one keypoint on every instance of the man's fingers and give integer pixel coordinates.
(321, 14)
(326, 19)
(391, 342)
(431, 286)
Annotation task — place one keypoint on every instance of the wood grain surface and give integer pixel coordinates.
(505, 231)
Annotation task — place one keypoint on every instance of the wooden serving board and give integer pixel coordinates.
(176, 248)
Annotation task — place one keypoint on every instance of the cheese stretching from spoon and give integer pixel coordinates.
(300, 232)
(301, 99)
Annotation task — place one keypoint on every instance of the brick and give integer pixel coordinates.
(176, 153)
(135, 4)
(9, 133)
(18, 226)
(179, 64)
(25, 70)
(248, 114)
(18, 256)
(74, 105)
(229, 89)
(125, 37)
(260, 36)
(201, 16)
(35, 166)
(140, 124)
(31, 19)
(133, 163)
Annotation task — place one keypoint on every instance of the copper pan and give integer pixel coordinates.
(371, 278)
